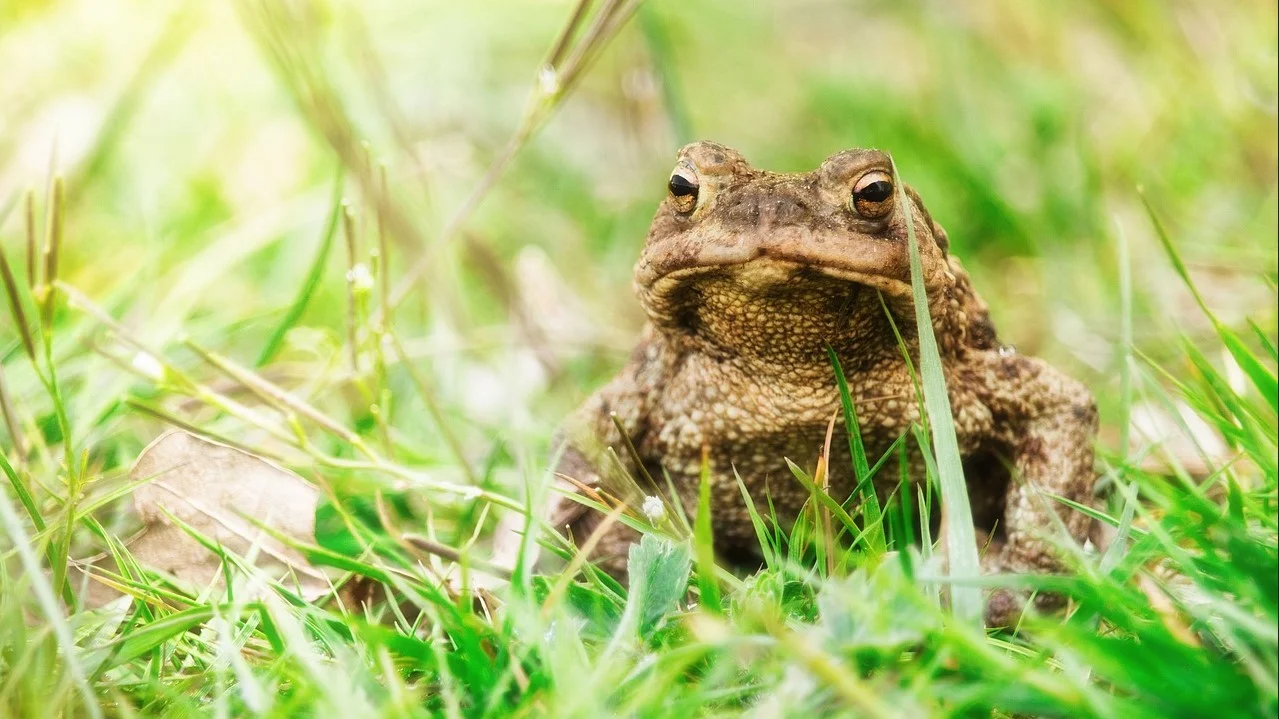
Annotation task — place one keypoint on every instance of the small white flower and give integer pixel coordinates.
(360, 278)
(148, 365)
(653, 509)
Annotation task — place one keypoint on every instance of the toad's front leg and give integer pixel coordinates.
(1048, 424)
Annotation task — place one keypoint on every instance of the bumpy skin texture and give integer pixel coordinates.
(744, 289)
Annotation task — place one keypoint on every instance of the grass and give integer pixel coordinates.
(199, 267)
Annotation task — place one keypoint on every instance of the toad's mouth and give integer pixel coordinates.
(763, 274)
(774, 255)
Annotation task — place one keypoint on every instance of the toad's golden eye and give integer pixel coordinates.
(873, 195)
(683, 188)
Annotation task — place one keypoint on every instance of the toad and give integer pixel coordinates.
(747, 277)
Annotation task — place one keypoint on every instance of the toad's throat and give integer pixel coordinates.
(773, 311)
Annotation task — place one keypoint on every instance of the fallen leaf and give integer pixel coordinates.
(220, 492)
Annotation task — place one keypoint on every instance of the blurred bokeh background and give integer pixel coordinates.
(200, 152)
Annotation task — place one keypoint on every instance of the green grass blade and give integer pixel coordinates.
(876, 543)
(313, 277)
(24, 496)
(139, 641)
(704, 543)
(767, 546)
(879, 464)
(961, 540)
(1265, 341)
(823, 498)
(48, 602)
(1262, 377)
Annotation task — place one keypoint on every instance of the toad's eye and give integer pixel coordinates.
(683, 188)
(873, 195)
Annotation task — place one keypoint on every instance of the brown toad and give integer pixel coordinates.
(747, 276)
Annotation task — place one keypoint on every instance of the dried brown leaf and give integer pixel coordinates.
(221, 492)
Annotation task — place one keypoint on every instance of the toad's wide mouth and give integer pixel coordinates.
(772, 256)
(764, 273)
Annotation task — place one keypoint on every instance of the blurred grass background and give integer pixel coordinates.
(199, 189)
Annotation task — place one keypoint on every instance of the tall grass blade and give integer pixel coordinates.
(824, 499)
(961, 539)
(1117, 546)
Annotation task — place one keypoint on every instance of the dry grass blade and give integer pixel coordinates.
(821, 478)
(14, 295)
(280, 398)
(182, 424)
(52, 248)
(379, 85)
(413, 542)
(29, 207)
